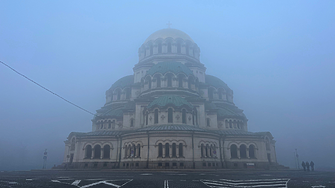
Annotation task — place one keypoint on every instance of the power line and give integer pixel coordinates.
(46, 88)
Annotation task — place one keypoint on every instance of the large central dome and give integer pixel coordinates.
(169, 32)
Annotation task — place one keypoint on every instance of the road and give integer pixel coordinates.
(166, 179)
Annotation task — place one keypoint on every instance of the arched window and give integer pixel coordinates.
(169, 47)
(159, 47)
(187, 50)
(151, 50)
(107, 151)
(138, 150)
(178, 48)
(181, 154)
(156, 116)
(158, 80)
(230, 124)
(146, 118)
(109, 125)
(226, 123)
(220, 94)
(160, 150)
(210, 151)
(169, 80)
(101, 125)
(170, 115)
(128, 93)
(97, 152)
(174, 150)
(193, 114)
(184, 116)
(196, 116)
(252, 151)
(113, 124)
(126, 151)
(145, 51)
(134, 151)
(88, 152)
(149, 82)
(190, 82)
(207, 150)
(180, 81)
(119, 94)
(243, 151)
(208, 122)
(131, 122)
(73, 144)
(233, 151)
(202, 150)
(167, 150)
(211, 93)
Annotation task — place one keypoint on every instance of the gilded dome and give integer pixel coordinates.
(166, 33)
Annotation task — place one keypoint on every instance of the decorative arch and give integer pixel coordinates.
(170, 142)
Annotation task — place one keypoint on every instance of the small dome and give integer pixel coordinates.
(216, 82)
(169, 32)
(174, 67)
(123, 82)
(170, 100)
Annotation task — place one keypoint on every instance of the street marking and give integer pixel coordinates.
(247, 183)
(29, 179)
(319, 186)
(166, 184)
(76, 183)
(147, 174)
(105, 182)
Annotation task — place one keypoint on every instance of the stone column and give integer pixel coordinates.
(163, 149)
(170, 150)
(177, 150)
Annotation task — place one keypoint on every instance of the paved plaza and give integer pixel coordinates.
(166, 179)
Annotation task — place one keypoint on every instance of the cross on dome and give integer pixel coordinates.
(169, 24)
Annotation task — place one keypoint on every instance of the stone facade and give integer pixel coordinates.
(169, 114)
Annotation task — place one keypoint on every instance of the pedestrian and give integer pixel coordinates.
(312, 165)
(303, 165)
(307, 166)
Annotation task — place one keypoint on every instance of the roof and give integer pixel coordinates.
(225, 110)
(168, 32)
(216, 82)
(165, 100)
(174, 67)
(123, 82)
(169, 127)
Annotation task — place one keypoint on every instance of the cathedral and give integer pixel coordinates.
(169, 114)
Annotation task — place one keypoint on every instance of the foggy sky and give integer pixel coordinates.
(277, 56)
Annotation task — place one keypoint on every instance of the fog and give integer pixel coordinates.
(277, 56)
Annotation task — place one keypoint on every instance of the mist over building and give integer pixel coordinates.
(170, 114)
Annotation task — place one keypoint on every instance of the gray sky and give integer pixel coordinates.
(277, 56)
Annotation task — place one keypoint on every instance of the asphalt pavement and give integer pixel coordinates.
(166, 179)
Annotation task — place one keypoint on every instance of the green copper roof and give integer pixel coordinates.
(230, 111)
(174, 67)
(123, 82)
(169, 100)
(216, 82)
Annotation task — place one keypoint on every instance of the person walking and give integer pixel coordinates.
(303, 165)
(307, 166)
(312, 165)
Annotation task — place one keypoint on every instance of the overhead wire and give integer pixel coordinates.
(46, 89)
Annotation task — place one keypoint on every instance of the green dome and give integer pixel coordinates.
(216, 82)
(123, 82)
(166, 100)
(174, 67)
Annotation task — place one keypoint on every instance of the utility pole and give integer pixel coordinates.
(45, 157)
